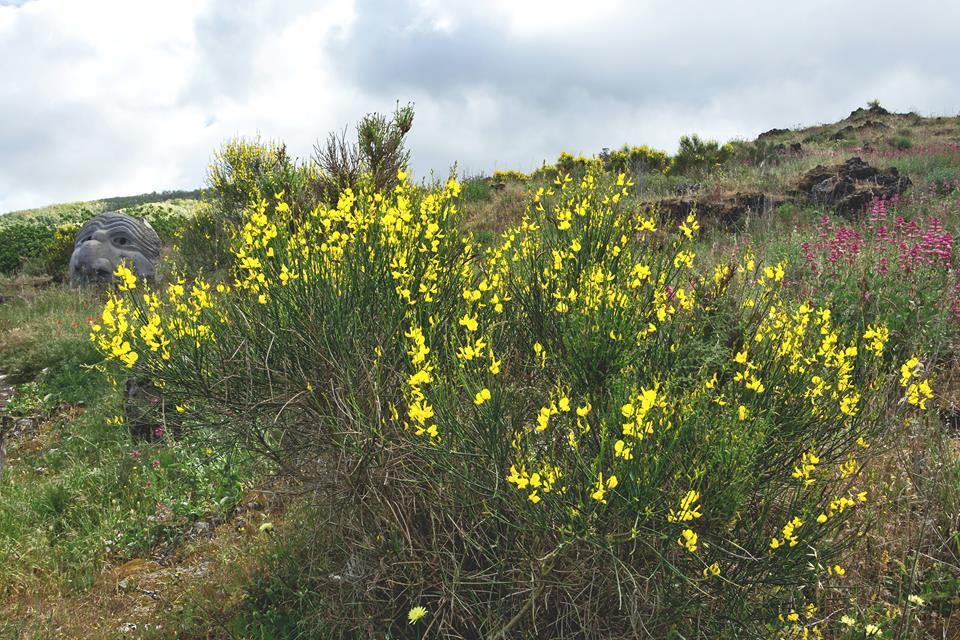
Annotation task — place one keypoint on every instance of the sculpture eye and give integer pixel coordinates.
(121, 241)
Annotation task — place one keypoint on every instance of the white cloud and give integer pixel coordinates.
(109, 98)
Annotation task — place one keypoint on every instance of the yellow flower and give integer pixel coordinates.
(688, 540)
(416, 612)
(128, 281)
(602, 488)
(711, 571)
(482, 396)
(742, 413)
(689, 510)
(470, 322)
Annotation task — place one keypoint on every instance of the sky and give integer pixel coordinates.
(105, 98)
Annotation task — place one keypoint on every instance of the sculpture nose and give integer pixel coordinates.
(101, 235)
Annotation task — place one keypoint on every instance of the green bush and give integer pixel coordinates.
(202, 243)
(374, 160)
(576, 433)
(24, 241)
(635, 160)
(902, 143)
(696, 156)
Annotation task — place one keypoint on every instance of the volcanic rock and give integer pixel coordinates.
(850, 187)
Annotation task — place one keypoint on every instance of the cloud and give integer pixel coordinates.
(110, 97)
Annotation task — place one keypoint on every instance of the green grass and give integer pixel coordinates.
(78, 494)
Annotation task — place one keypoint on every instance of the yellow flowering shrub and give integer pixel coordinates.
(582, 408)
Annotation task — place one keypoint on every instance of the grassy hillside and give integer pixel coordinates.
(181, 201)
(627, 395)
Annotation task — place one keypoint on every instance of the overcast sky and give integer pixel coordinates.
(116, 97)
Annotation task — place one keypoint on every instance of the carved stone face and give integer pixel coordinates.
(109, 239)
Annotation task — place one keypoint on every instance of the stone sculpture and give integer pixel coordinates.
(109, 239)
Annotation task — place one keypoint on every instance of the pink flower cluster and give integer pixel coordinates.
(906, 243)
(885, 243)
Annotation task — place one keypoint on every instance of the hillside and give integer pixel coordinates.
(713, 394)
(76, 211)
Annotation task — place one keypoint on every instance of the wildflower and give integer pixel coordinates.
(128, 281)
(482, 396)
(917, 600)
(688, 540)
(711, 571)
(266, 527)
(847, 620)
(689, 510)
(808, 464)
(415, 613)
(742, 413)
(602, 488)
(871, 630)
(470, 322)
(494, 364)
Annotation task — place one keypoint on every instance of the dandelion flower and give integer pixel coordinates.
(415, 614)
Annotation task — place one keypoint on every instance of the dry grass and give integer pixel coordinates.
(501, 211)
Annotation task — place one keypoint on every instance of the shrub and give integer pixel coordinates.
(377, 156)
(902, 143)
(203, 242)
(635, 160)
(36, 247)
(699, 157)
(478, 189)
(577, 433)
(509, 175)
(759, 153)
(243, 169)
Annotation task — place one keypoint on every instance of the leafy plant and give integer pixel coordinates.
(696, 156)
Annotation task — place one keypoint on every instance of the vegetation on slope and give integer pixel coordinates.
(523, 405)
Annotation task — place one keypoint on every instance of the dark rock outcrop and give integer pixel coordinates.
(850, 187)
(717, 211)
(872, 110)
(772, 133)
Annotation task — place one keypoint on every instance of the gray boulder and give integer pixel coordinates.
(109, 239)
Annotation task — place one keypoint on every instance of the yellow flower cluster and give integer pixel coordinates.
(918, 392)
